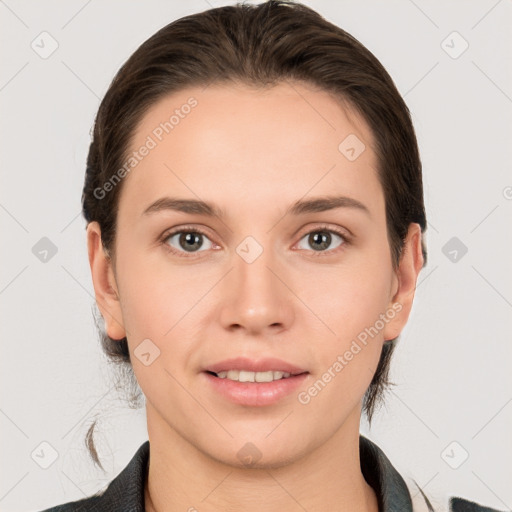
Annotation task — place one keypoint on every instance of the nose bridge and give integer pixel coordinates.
(252, 265)
(253, 261)
(256, 296)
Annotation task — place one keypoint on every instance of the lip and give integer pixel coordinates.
(255, 394)
(251, 365)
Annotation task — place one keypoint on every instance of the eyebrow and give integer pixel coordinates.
(301, 207)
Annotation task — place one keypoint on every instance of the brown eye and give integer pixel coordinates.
(321, 240)
(188, 241)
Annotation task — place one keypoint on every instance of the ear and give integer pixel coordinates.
(105, 287)
(404, 282)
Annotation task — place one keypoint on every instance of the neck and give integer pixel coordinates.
(182, 478)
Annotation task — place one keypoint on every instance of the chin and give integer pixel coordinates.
(260, 454)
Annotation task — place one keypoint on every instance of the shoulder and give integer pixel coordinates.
(462, 505)
(124, 494)
(428, 503)
(396, 492)
(91, 504)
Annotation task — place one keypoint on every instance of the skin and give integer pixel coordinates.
(253, 153)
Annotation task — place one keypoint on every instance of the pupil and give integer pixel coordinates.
(191, 240)
(322, 238)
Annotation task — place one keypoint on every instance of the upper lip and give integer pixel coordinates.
(252, 365)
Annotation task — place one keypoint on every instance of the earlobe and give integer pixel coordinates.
(411, 263)
(105, 287)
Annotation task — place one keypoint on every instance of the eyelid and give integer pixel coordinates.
(179, 229)
(342, 232)
(174, 231)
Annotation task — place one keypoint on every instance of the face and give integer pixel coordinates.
(277, 272)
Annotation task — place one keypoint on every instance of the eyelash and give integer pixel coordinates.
(323, 228)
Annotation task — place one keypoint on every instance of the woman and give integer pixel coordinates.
(255, 233)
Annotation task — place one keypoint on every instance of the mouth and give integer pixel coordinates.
(249, 376)
(244, 369)
(254, 383)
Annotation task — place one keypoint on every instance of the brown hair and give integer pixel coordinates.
(258, 45)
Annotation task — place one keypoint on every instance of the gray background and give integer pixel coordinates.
(452, 366)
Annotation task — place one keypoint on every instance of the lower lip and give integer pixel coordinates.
(256, 394)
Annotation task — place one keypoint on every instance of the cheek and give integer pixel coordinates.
(157, 304)
(160, 300)
(151, 297)
(350, 297)
(352, 302)
(347, 360)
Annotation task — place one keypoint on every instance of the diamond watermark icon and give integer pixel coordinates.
(44, 250)
(249, 249)
(44, 45)
(249, 454)
(454, 249)
(351, 147)
(454, 45)
(454, 455)
(44, 455)
(146, 352)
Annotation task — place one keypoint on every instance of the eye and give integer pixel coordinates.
(192, 240)
(321, 238)
(187, 241)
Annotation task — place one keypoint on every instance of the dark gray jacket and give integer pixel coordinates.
(126, 492)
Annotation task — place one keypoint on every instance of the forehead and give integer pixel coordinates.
(254, 143)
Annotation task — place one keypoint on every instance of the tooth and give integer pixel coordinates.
(233, 374)
(246, 376)
(264, 376)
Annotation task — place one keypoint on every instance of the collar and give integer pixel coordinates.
(126, 491)
(390, 488)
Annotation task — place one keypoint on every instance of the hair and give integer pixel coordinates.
(260, 46)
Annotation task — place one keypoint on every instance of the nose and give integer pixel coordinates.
(256, 297)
